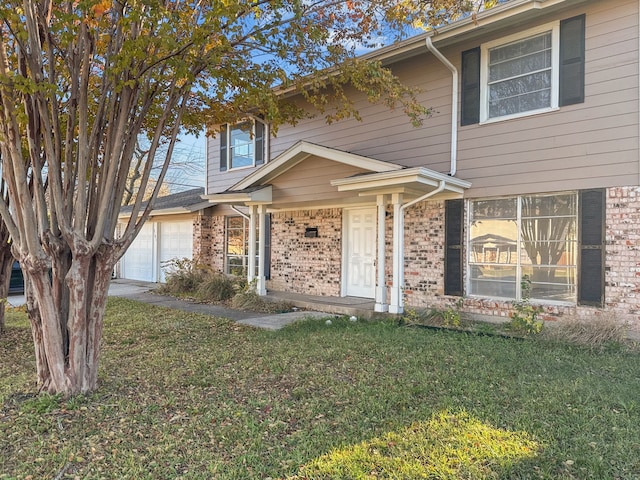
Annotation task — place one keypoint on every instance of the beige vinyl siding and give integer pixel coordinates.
(592, 144)
(382, 134)
(309, 183)
(385, 134)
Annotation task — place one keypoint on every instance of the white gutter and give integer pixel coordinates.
(454, 103)
(397, 290)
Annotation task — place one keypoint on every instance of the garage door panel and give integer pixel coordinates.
(176, 241)
(138, 259)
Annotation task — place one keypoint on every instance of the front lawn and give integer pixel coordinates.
(188, 396)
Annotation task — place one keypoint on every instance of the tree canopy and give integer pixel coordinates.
(81, 82)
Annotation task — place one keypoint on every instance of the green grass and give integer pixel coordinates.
(187, 396)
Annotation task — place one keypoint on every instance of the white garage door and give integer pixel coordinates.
(176, 241)
(137, 262)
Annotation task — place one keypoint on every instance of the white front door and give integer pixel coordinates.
(360, 252)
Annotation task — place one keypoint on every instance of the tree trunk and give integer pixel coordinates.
(67, 320)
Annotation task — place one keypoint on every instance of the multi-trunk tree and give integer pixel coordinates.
(81, 82)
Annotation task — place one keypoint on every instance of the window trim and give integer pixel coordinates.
(554, 28)
(468, 253)
(265, 143)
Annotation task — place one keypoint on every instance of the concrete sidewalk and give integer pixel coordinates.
(143, 292)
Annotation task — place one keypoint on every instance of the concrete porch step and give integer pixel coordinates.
(360, 307)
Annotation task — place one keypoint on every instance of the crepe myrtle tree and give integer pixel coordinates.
(82, 81)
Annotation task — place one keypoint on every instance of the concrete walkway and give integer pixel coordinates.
(143, 292)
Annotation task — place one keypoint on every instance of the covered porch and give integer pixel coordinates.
(347, 181)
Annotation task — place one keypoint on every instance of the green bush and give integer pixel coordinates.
(524, 318)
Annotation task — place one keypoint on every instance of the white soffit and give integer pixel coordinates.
(303, 150)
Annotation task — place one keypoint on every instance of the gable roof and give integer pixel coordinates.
(300, 152)
(181, 202)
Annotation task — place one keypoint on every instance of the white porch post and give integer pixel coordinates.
(381, 286)
(262, 213)
(396, 305)
(251, 257)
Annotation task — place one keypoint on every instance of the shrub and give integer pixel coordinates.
(187, 277)
(183, 276)
(524, 318)
(216, 287)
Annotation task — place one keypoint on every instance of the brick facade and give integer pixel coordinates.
(208, 241)
(424, 267)
(313, 265)
(305, 265)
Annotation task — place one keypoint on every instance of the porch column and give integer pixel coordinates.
(251, 257)
(398, 255)
(381, 287)
(261, 287)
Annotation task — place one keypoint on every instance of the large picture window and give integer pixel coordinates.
(242, 144)
(520, 74)
(521, 237)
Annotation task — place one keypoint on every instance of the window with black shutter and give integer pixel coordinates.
(514, 76)
(243, 144)
(592, 206)
(453, 237)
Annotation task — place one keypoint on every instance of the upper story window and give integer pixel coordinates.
(242, 144)
(519, 74)
(535, 71)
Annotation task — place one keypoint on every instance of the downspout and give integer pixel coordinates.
(454, 104)
(399, 260)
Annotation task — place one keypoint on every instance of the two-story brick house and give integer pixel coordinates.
(529, 167)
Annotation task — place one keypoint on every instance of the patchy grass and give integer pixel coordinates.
(188, 396)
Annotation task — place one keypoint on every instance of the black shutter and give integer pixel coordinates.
(259, 141)
(223, 148)
(453, 238)
(572, 31)
(267, 246)
(470, 103)
(591, 227)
